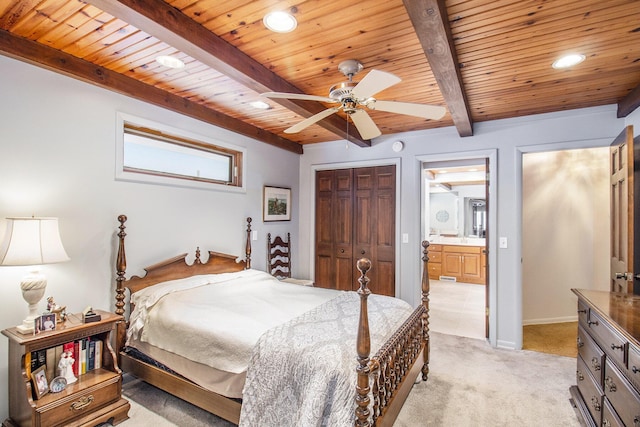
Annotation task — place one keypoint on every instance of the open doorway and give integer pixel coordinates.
(565, 241)
(455, 220)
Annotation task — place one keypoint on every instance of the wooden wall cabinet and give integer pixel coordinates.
(466, 263)
(607, 390)
(95, 398)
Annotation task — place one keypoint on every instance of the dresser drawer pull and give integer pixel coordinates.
(580, 343)
(606, 423)
(595, 364)
(636, 420)
(583, 311)
(634, 369)
(595, 402)
(610, 384)
(580, 376)
(595, 322)
(616, 347)
(82, 403)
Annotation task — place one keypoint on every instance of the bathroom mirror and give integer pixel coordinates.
(475, 217)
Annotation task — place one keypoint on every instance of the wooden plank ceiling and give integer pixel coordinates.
(482, 59)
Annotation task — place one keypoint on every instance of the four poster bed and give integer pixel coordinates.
(255, 351)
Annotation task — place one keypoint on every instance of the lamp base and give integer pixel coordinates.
(27, 327)
(33, 286)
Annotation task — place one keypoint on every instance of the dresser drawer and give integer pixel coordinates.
(623, 397)
(63, 410)
(613, 344)
(592, 355)
(634, 366)
(609, 416)
(583, 313)
(590, 391)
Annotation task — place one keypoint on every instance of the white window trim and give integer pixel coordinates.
(122, 175)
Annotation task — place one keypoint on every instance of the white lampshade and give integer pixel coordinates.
(32, 241)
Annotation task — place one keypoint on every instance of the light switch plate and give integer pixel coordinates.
(254, 235)
(503, 243)
(405, 238)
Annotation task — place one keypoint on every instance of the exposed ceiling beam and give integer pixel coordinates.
(55, 60)
(430, 20)
(161, 20)
(629, 103)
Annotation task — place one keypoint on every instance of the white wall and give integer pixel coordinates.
(565, 231)
(592, 127)
(57, 154)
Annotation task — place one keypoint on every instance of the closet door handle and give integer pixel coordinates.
(362, 252)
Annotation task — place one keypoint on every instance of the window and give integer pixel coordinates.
(152, 153)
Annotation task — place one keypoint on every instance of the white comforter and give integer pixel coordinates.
(224, 314)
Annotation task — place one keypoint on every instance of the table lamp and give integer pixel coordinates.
(32, 241)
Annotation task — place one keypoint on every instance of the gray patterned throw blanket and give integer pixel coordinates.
(303, 372)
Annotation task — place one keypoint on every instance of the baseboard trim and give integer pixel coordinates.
(550, 320)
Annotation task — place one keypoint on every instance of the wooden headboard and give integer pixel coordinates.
(174, 268)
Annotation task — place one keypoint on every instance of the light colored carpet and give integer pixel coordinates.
(470, 384)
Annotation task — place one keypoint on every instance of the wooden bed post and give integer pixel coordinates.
(363, 348)
(121, 267)
(247, 249)
(425, 302)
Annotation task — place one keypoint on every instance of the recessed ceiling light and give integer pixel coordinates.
(568, 61)
(280, 22)
(170, 61)
(261, 105)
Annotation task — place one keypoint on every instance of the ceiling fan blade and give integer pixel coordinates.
(365, 124)
(375, 81)
(311, 120)
(424, 111)
(301, 96)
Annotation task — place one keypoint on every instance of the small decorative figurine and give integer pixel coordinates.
(60, 311)
(65, 367)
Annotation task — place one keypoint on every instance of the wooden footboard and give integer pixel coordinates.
(395, 367)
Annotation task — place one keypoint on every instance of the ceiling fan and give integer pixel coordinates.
(352, 96)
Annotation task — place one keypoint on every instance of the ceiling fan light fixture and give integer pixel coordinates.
(280, 22)
(170, 61)
(567, 61)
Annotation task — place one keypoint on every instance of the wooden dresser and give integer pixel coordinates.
(608, 363)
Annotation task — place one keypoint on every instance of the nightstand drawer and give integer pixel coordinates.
(64, 410)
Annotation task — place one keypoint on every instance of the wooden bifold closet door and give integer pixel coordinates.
(355, 218)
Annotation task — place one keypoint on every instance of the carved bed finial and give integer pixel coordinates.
(197, 260)
(363, 348)
(121, 266)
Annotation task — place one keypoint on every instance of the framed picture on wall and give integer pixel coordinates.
(276, 204)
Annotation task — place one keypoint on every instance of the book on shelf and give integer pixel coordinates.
(91, 355)
(52, 364)
(98, 356)
(83, 356)
(76, 357)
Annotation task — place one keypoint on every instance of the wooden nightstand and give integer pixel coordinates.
(95, 398)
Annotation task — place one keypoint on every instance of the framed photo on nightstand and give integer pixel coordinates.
(40, 384)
